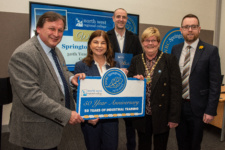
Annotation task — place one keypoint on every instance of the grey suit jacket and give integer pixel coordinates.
(38, 110)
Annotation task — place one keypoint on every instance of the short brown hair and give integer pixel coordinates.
(49, 16)
(108, 54)
(190, 16)
(119, 9)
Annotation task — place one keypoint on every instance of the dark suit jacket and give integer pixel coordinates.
(165, 92)
(132, 43)
(205, 78)
(38, 109)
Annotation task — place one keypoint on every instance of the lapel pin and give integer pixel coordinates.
(159, 71)
(201, 47)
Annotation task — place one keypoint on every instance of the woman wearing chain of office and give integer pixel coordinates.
(163, 92)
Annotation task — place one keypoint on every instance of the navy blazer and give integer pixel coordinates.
(204, 79)
(132, 43)
(81, 67)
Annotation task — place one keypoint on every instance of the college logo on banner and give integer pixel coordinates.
(131, 25)
(173, 37)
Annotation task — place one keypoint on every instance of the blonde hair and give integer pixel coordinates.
(150, 31)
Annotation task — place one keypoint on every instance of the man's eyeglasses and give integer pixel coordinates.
(193, 27)
(148, 41)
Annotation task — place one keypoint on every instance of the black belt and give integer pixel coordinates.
(186, 100)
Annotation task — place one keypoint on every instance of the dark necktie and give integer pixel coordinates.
(186, 72)
(66, 89)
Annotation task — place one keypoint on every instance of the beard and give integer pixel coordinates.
(191, 39)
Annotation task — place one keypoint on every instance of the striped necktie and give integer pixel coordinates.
(66, 88)
(186, 72)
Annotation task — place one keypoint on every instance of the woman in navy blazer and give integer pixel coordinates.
(98, 134)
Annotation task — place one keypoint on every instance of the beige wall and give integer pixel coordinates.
(159, 12)
(165, 14)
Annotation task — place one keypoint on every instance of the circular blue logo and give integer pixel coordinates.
(131, 25)
(173, 37)
(114, 81)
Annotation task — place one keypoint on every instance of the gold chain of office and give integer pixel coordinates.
(149, 80)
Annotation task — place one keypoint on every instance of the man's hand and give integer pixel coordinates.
(172, 125)
(75, 118)
(94, 121)
(74, 80)
(207, 118)
(124, 70)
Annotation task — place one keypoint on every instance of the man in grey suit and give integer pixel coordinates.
(40, 79)
(201, 74)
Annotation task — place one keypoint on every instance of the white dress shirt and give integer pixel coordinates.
(47, 50)
(120, 40)
(192, 54)
(101, 72)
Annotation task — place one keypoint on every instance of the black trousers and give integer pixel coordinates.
(145, 139)
(102, 136)
(55, 148)
(190, 130)
(130, 134)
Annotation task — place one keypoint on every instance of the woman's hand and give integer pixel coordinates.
(94, 121)
(140, 77)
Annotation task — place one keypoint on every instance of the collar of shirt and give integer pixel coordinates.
(103, 68)
(152, 58)
(118, 35)
(193, 45)
(44, 46)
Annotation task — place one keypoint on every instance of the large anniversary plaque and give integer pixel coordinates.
(111, 96)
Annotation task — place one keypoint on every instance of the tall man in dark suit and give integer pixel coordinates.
(40, 84)
(200, 70)
(124, 41)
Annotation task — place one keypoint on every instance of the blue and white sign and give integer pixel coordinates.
(112, 96)
(173, 37)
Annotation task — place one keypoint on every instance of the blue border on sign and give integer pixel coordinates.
(109, 115)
